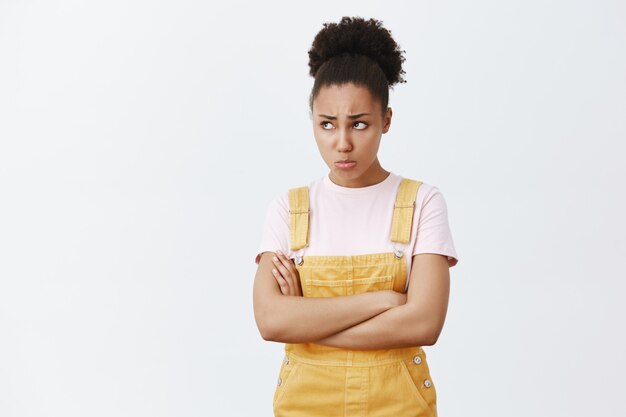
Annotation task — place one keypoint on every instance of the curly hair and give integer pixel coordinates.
(356, 51)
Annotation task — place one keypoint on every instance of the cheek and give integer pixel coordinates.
(373, 143)
(322, 145)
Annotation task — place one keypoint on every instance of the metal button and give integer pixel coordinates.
(280, 381)
(398, 253)
(299, 260)
(427, 383)
(286, 360)
(417, 360)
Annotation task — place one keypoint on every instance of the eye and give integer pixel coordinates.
(363, 125)
(324, 125)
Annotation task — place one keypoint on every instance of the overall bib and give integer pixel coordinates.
(318, 380)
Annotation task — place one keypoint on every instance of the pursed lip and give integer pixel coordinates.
(345, 164)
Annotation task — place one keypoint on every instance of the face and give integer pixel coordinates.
(348, 124)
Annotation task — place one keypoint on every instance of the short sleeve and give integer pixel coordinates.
(433, 230)
(275, 235)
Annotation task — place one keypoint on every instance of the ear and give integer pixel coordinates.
(387, 120)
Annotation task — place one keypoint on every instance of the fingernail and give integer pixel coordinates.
(275, 258)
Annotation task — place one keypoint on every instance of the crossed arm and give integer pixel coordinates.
(373, 320)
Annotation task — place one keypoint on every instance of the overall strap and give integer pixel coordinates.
(298, 217)
(403, 210)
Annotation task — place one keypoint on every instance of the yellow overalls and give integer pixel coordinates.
(318, 380)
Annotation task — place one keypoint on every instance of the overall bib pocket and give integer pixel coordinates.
(337, 288)
(362, 285)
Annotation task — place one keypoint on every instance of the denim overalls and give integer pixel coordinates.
(318, 380)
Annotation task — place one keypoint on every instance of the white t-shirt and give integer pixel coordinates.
(346, 221)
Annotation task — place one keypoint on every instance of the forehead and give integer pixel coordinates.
(345, 99)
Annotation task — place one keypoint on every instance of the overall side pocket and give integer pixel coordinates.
(287, 369)
(418, 377)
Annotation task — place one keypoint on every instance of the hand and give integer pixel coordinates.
(286, 275)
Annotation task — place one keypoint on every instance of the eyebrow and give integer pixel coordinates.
(352, 116)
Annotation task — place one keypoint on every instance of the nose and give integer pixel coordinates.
(344, 141)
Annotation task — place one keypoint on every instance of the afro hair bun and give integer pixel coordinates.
(355, 35)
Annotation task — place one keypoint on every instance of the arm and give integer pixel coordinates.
(293, 319)
(417, 323)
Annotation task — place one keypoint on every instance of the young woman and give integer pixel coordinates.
(353, 269)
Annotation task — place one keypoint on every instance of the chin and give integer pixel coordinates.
(342, 173)
(352, 175)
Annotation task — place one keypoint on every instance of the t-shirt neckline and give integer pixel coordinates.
(357, 190)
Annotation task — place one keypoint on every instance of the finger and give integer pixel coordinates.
(287, 275)
(278, 264)
(285, 280)
(288, 262)
(284, 272)
(298, 287)
(294, 276)
(282, 284)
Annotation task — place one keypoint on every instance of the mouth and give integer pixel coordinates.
(345, 164)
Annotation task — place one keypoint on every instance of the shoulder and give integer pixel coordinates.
(280, 202)
(429, 193)
(425, 192)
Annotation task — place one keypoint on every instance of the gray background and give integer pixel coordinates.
(141, 141)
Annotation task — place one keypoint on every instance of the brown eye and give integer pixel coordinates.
(363, 125)
(323, 124)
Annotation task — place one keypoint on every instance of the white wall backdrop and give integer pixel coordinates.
(141, 141)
